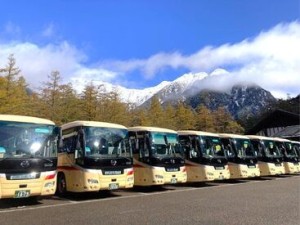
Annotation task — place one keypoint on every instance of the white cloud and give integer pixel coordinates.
(36, 63)
(271, 59)
(85, 76)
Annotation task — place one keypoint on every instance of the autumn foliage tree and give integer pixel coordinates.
(13, 96)
(61, 103)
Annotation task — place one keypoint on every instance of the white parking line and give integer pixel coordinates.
(139, 194)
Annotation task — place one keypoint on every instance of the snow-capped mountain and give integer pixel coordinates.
(216, 89)
(242, 101)
(169, 89)
(191, 83)
(134, 96)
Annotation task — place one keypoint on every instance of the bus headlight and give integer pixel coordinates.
(49, 184)
(129, 179)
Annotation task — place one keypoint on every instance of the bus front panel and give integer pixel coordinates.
(27, 184)
(28, 158)
(271, 168)
(175, 175)
(242, 171)
(199, 172)
(291, 167)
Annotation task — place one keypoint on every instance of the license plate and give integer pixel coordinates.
(23, 176)
(115, 172)
(113, 186)
(252, 166)
(22, 194)
(173, 181)
(219, 168)
(172, 169)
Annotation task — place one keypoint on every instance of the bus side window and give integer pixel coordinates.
(134, 146)
(257, 148)
(186, 146)
(193, 149)
(144, 146)
(133, 142)
(69, 145)
(229, 152)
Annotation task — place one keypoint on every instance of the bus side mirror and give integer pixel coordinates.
(60, 143)
(58, 132)
(76, 154)
(77, 144)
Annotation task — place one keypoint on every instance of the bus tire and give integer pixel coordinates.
(61, 188)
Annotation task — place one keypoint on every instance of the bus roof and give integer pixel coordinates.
(195, 132)
(25, 119)
(281, 139)
(83, 123)
(226, 135)
(155, 129)
(257, 137)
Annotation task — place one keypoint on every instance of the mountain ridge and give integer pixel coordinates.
(241, 99)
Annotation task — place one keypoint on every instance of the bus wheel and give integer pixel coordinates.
(61, 188)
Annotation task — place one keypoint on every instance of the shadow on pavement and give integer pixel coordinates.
(84, 196)
(19, 203)
(150, 189)
(196, 184)
(231, 181)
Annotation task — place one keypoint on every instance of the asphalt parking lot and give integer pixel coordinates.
(270, 200)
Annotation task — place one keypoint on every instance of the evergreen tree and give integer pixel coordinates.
(155, 112)
(204, 119)
(139, 118)
(113, 110)
(184, 118)
(89, 101)
(69, 104)
(51, 96)
(224, 123)
(169, 117)
(13, 96)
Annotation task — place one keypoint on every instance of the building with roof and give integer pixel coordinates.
(278, 123)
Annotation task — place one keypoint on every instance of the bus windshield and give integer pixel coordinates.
(27, 140)
(165, 144)
(287, 149)
(211, 147)
(243, 148)
(106, 142)
(271, 149)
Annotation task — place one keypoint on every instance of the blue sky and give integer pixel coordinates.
(140, 43)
